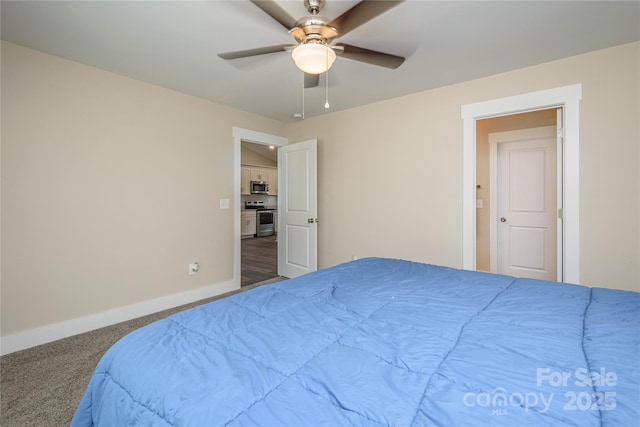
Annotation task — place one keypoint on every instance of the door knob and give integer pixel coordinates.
(503, 219)
(310, 220)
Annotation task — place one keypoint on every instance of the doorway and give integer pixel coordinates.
(290, 178)
(241, 135)
(566, 97)
(259, 238)
(516, 207)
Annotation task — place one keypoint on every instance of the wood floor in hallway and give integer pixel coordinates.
(259, 259)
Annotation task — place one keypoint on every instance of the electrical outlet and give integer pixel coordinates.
(193, 268)
(354, 257)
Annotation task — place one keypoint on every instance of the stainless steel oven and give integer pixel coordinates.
(264, 223)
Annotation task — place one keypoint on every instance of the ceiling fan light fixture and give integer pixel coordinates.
(313, 57)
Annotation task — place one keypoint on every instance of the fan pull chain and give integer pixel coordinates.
(326, 102)
(303, 96)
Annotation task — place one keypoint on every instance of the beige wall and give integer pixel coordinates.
(110, 188)
(390, 173)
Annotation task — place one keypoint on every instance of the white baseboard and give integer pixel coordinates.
(56, 331)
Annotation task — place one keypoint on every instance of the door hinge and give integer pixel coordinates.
(561, 133)
(560, 213)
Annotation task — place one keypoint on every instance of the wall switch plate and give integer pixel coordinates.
(224, 203)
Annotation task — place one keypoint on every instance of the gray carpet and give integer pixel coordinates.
(42, 386)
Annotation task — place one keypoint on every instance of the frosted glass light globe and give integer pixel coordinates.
(313, 58)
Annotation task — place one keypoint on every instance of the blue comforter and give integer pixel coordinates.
(381, 342)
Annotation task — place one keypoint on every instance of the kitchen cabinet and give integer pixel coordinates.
(250, 173)
(245, 180)
(248, 223)
(272, 179)
(259, 174)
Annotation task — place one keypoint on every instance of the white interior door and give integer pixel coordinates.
(298, 209)
(525, 214)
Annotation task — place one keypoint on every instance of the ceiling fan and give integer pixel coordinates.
(314, 54)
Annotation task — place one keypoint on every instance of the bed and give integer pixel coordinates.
(381, 342)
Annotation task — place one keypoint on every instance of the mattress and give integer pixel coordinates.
(381, 342)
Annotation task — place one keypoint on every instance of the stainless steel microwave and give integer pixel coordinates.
(259, 187)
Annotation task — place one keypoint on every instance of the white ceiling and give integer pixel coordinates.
(175, 44)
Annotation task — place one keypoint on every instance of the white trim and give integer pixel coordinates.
(469, 193)
(247, 135)
(560, 190)
(493, 204)
(567, 97)
(57, 331)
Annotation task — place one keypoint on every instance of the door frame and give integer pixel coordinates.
(247, 135)
(565, 97)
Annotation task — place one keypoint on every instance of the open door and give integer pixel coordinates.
(297, 209)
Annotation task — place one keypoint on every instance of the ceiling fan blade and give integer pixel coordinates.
(311, 80)
(253, 52)
(370, 56)
(273, 9)
(361, 13)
